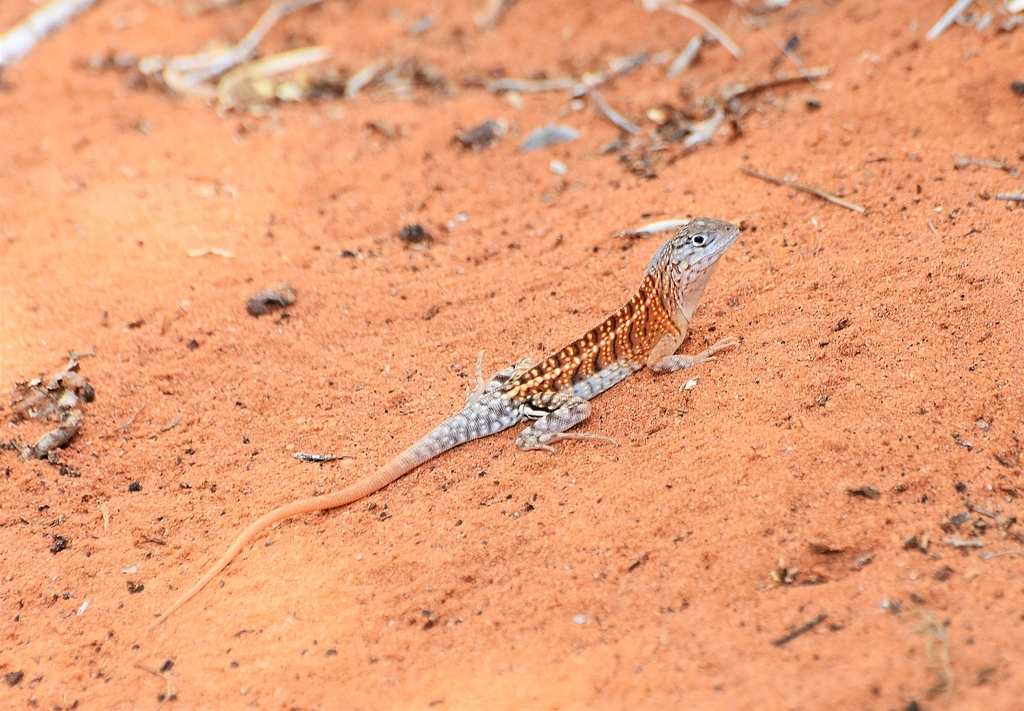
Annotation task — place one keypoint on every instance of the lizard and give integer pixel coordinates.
(554, 394)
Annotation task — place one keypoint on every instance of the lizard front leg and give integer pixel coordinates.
(663, 359)
(557, 412)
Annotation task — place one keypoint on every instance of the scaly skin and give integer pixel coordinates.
(646, 331)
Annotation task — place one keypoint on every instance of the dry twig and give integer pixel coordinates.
(169, 695)
(985, 555)
(131, 420)
(805, 188)
(186, 73)
(612, 115)
(170, 424)
(20, 39)
(800, 630)
(960, 162)
(731, 91)
(938, 649)
(946, 20)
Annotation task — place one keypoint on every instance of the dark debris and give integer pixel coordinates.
(485, 135)
(263, 302)
(415, 234)
(868, 492)
(60, 399)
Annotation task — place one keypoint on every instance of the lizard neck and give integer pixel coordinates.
(681, 297)
(621, 341)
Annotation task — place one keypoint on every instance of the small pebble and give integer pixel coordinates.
(262, 302)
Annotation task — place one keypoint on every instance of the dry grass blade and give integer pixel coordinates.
(690, 14)
(169, 695)
(612, 115)
(938, 649)
(806, 189)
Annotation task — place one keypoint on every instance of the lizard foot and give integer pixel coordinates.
(545, 441)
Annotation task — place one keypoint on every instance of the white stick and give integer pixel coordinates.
(947, 19)
(20, 39)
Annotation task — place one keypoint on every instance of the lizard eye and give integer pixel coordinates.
(699, 240)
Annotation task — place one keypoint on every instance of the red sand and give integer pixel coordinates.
(630, 577)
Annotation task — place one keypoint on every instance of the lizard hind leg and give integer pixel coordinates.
(481, 384)
(660, 363)
(557, 412)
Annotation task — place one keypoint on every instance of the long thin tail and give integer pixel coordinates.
(395, 469)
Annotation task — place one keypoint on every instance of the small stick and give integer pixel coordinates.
(170, 695)
(612, 115)
(170, 424)
(702, 131)
(189, 70)
(531, 85)
(960, 162)
(785, 50)
(681, 63)
(20, 39)
(805, 188)
(937, 645)
(934, 231)
(732, 91)
(361, 79)
(985, 555)
(131, 420)
(962, 543)
(947, 19)
(75, 355)
(981, 510)
(799, 631)
(307, 457)
(1019, 197)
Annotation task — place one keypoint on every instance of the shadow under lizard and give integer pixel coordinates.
(555, 393)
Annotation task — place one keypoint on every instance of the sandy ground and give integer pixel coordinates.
(879, 350)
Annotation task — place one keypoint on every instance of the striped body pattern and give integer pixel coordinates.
(604, 355)
(554, 394)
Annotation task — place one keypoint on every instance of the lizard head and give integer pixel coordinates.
(683, 265)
